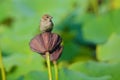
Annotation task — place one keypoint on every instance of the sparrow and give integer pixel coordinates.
(46, 24)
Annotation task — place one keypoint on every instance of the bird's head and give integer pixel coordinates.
(46, 17)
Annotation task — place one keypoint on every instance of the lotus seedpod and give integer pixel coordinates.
(47, 42)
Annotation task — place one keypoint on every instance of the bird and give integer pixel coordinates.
(46, 24)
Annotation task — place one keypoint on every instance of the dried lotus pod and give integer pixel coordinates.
(47, 42)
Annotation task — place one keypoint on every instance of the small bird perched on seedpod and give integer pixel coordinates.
(47, 41)
(46, 24)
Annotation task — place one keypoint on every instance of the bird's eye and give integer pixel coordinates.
(47, 17)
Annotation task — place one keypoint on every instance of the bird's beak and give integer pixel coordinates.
(51, 17)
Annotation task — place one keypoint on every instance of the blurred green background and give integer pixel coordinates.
(90, 30)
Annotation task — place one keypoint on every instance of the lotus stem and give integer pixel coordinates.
(56, 70)
(2, 67)
(48, 65)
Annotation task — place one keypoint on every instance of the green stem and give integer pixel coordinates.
(48, 64)
(2, 67)
(56, 70)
